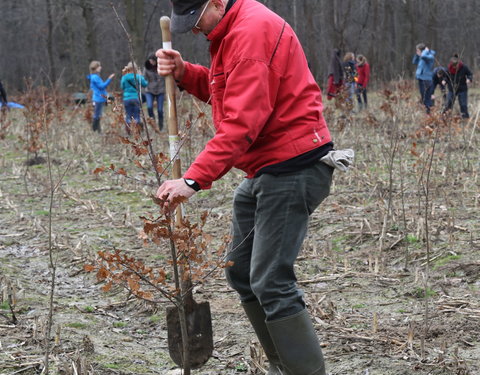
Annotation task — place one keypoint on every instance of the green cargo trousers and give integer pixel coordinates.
(269, 224)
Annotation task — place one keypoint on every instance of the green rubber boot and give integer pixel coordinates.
(297, 345)
(256, 315)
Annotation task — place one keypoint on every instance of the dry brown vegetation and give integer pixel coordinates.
(390, 266)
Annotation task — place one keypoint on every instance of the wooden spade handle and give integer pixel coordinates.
(174, 142)
(173, 138)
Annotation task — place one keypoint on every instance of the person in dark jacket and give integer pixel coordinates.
(441, 78)
(99, 89)
(335, 75)
(155, 90)
(3, 96)
(350, 71)
(461, 76)
(3, 99)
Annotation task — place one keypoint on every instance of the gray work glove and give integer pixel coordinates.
(339, 159)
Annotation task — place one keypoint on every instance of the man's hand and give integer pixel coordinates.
(172, 189)
(169, 61)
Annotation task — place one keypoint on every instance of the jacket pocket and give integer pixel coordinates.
(218, 84)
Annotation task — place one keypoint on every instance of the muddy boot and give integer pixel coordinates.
(256, 315)
(297, 345)
(96, 125)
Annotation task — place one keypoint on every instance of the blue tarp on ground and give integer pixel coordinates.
(13, 105)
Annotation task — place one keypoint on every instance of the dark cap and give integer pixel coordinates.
(185, 15)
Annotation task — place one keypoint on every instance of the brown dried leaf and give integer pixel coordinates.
(122, 171)
(98, 170)
(88, 267)
(133, 284)
(138, 164)
(107, 286)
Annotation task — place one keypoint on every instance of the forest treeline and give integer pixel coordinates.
(53, 41)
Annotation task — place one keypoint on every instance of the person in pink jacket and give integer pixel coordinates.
(267, 111)
(363, 70)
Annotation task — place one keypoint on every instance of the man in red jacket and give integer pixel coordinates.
(267, 111)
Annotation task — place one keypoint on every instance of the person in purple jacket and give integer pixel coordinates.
(100, 95)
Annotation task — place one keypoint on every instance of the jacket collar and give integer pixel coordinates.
(226, 22)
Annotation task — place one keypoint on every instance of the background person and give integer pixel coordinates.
(4, 101)
(461, 76)
(424, 59)
(363, 69)
(3, 96)
(99, 89)
(267, 111)
(350, 73)
(155, 90)
(131, 83)
(441, 78)
(335, 75)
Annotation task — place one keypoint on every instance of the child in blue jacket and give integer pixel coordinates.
(424, 59)
(100, 95)
(131, 83)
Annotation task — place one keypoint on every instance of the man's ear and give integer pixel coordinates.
(219, 5)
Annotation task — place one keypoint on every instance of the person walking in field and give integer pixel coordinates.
(3, 96)
(424, 58)
(99, 89)
(461, 76)
(4, 101)
(442, 79)
(131, 83)
(350, 73)
(267, 111)
(363, 69)
(335, 75)
(155, 90)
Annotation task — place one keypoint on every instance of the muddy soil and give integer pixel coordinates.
(393, 287)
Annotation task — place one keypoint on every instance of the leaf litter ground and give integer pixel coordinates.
(379, 304)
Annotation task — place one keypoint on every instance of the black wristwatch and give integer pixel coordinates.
(192, 184)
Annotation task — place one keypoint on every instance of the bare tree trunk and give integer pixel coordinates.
(134, 16)
(51, 58)
(432, 24)
(89, 17)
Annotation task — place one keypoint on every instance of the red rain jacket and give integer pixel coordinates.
(266, 105)
(363, 74)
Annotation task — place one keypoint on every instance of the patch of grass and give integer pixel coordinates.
(359, 306)
(8, 242)
(204, 193)
(411, 239)
(89, 309)
(119, 324)
(155, 318)
(442, 261)
(42, 213)
(422, 293)
(113, 366)
(4, 306)
(77, 325)
(159, 257)
(336, 243)
(241, 367)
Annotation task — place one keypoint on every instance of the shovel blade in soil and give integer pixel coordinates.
(199, 326)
